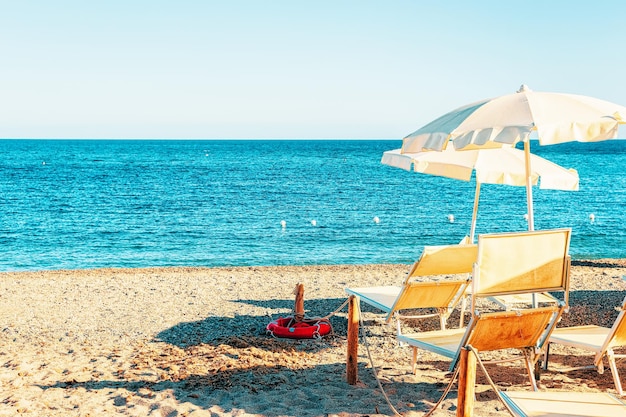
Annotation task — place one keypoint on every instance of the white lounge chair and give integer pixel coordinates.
(598, 340)
(564, 404)
(508, 263)
(442, 296)
(525, 330)
(522, 264)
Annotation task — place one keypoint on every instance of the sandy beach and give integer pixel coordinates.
(192, 342)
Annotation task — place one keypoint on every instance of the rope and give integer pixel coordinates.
(375, 372)
(493, 385)
(345, 303)
(450, 384)
(380, 385)
(456, 373)
(328, 316)
(445, 393)
(369, 355)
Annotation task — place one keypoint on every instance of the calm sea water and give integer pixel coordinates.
(69, 204)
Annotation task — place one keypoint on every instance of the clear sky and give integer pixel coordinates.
(290, 69)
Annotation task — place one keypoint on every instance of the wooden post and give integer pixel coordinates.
(352, 366)
(467, 383)
(298, 310)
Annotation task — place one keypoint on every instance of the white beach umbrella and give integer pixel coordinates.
(505, 165)
(506, 120)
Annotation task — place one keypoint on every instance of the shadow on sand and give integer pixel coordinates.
(272, 391)
(212, 329)
(241, 369)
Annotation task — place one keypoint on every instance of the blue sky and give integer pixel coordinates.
(289, 69)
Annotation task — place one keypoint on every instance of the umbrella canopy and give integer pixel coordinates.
(506, 165)
(506, 120)
(493, 166)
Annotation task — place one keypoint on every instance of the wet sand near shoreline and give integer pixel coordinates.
(192, 342)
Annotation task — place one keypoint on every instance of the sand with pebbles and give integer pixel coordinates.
(192, 342)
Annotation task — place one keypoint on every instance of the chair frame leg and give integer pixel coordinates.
(463, 308)
(443, 318)
(530, 365)
(610, 355)
(546, 354)
(613, 366)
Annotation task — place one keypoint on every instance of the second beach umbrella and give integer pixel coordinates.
(506, 165)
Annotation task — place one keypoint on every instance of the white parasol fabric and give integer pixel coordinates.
(505, 120)
(506, 165)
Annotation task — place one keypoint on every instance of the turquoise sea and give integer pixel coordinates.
(72, 204)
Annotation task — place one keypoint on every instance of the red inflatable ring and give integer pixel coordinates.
(306, 329)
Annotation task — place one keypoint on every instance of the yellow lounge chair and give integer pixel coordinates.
(598, 340)
(522, 264)
(443, 295)
(528, 275)
(508, 263)
(525, 330)
(563, 404)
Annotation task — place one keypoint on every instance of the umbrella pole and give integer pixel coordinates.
(475, 212)
(529, 186)
(529, 199)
